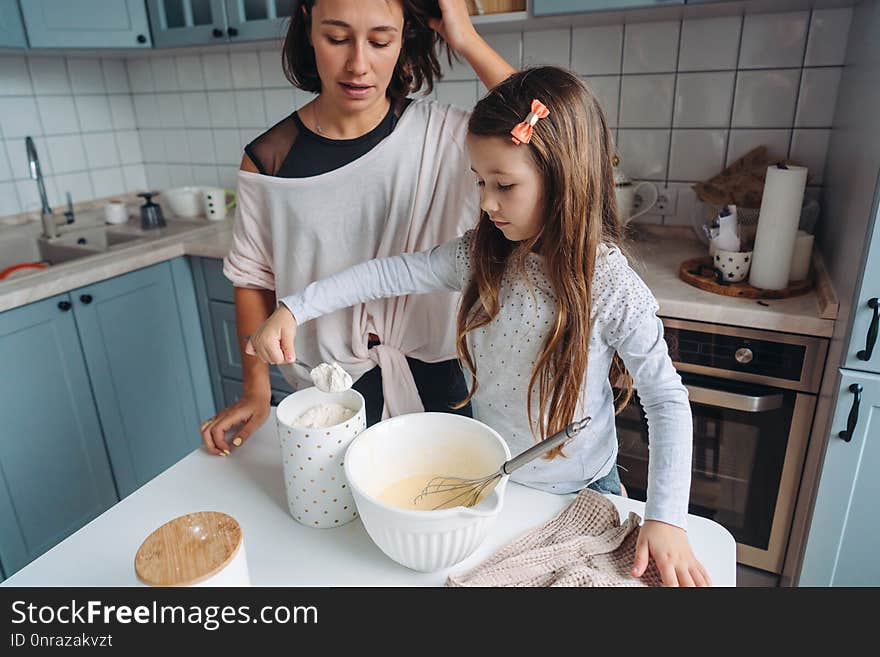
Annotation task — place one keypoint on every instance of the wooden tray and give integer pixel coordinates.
(699, 273)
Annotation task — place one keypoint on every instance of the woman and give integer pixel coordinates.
(359, 172)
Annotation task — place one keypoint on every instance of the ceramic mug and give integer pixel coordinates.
(216, 205)
(318, 494)
(732, 265)
(186, 202)
(626, 194)
(115, 212)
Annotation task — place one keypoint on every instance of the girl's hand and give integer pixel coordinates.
(669, 547)
(273, 342)
(248, 413)
(455, 25)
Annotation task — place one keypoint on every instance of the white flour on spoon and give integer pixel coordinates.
(331, 378)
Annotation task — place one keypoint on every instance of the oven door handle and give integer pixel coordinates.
(735, 401)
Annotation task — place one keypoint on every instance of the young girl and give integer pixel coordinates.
(549, 306)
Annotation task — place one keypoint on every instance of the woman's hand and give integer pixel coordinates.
(249, 413)
(455, 25)
(669, 547)
(273, 342)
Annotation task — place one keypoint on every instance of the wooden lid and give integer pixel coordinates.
(188, 549)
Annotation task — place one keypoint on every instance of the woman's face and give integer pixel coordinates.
(357, 44)
(511, 187)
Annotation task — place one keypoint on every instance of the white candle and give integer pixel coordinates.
(800, 259)
(777, 226)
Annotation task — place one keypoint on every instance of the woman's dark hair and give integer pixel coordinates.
(417, 66)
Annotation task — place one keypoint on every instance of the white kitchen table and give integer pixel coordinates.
(281, 552)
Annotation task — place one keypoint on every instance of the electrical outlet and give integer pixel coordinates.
(667, 201)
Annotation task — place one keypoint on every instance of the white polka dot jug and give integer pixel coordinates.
(318, 494)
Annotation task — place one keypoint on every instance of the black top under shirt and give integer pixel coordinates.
(289, 149)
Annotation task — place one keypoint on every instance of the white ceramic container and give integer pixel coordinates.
(318, 494)
(185, 202)
(425, 443)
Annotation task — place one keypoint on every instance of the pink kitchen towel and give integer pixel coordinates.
(585, 545)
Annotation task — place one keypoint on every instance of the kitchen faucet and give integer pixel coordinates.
(50, 226)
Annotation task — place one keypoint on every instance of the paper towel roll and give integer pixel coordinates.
(777, 226)
(800, 259)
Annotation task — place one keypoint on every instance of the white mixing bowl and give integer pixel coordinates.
(416, 444)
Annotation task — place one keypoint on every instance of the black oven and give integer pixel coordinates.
(752, 396)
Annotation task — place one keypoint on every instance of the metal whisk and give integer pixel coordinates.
(469, 491)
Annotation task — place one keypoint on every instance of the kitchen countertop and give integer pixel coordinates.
(281, 552)
(655, 254)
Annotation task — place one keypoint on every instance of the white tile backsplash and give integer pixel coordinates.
(78, 184)
(94, 113)
(195, 110)
(606, 88)
(107, 182)
(818, 85)
(826, 43)
(101, 150)
(709, 44)
(19, 117)
(170, 110)
(16, 79)
(165, 74)
(809, 148)
(774, 40)
(49, 75)
(742, 141)
(221, 109)
(696, 154)
(140, 75)
(122, 112)
(86, 76)
(245, 68)
(650, 47)
(115, 76)
(250, 108)
(68, 153)
(189, 72)
(547, 47)
(58, 115)
(216, 70)
(646, 101)
(703, 100)
(689, 96)
(271, 72)
(765, 99)
(643, 153)
(597, 50)
(461, 94)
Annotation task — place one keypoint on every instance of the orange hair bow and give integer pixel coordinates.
(522, 132)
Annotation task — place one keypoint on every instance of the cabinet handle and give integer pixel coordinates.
(865, 354)
(86, 298)
(853, 419)
(217, 32)
(64, 306)
(232, 31)
(141, 38)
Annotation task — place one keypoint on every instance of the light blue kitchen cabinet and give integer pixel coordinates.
(864, 352)
(86, 23)
(843, 552)
(187, 22)
(250, 20)
(551, 7)
(55, 475)
(141, 339)
(11, 27)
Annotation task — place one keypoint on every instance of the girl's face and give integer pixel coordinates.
(511, 189)
(357, 44)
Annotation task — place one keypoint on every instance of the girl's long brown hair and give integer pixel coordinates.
(572, 149)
